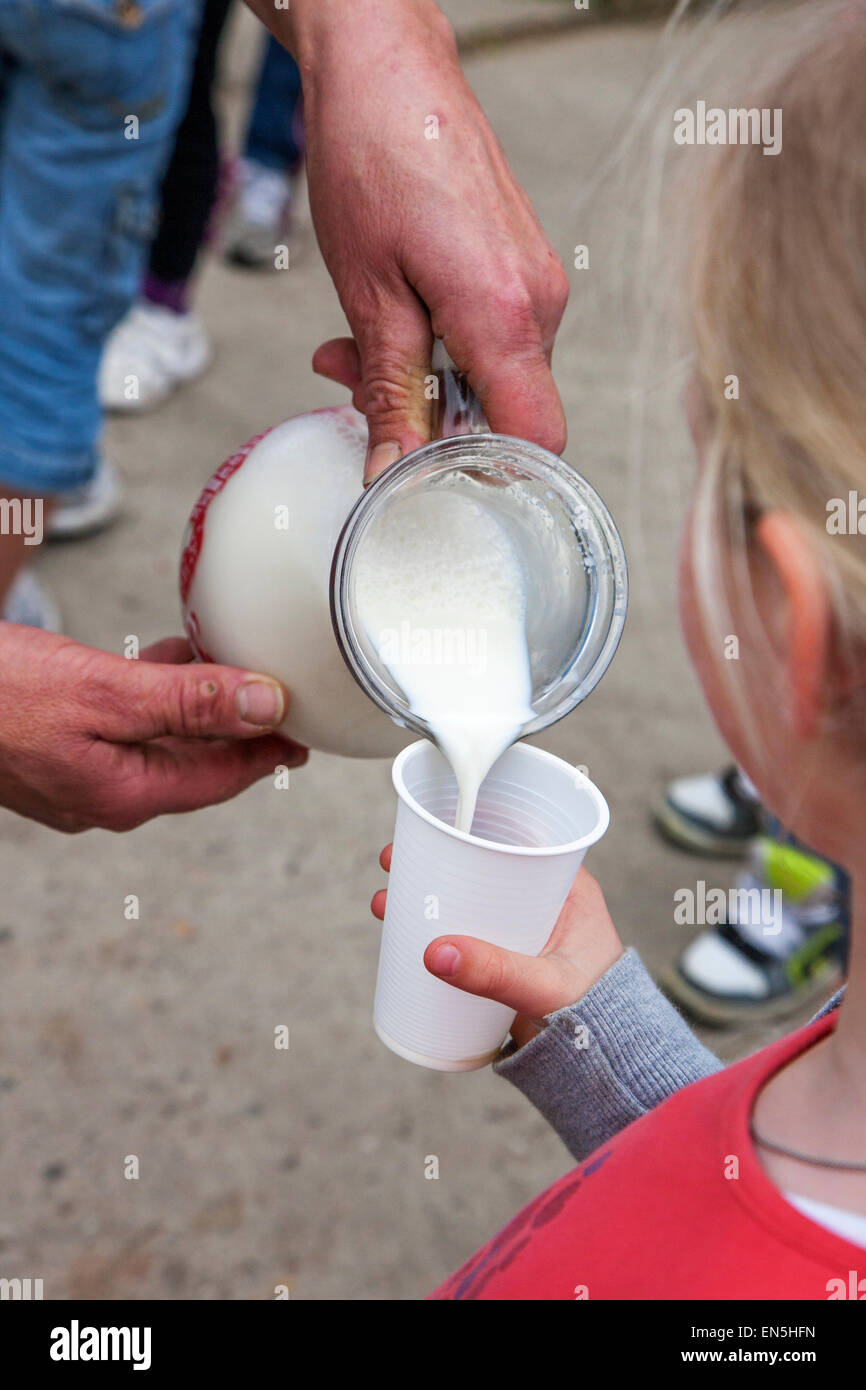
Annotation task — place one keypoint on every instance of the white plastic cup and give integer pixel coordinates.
(505, 883)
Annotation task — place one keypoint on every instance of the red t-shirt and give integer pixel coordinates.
(652, 1214)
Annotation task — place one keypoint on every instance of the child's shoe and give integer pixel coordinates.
(29, 603)
(261, 217)
(782, 944)
(88, 508)
(151, 352)
(713, 813)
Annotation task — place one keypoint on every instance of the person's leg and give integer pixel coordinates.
(89, 110)
(161, 342)
(22, 517)
(275, 135)
(272, 155)
(189, 187)
(23, 522)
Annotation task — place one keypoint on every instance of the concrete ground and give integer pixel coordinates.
(154, 1037)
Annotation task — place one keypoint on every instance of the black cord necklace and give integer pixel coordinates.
(804, 1158)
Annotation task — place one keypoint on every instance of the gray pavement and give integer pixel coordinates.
(154, 1037)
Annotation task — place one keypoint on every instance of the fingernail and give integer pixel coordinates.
(379, 459)
(261, 702)
(445, 960)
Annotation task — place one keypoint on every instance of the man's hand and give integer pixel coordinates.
(421, 223)
(90, 739)
(583, 945)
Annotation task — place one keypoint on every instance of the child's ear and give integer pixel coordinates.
(808, 617)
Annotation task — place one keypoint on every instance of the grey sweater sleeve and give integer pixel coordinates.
(618, 1052)
(599, 1064)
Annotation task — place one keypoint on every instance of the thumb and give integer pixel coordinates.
(194, 701)
(533, 985)
(395, 362)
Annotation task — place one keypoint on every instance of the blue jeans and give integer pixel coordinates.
(275, 137)
(78, 79)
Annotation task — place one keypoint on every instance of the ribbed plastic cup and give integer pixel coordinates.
(505, 883)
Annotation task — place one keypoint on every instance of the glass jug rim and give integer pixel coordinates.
(443, 455)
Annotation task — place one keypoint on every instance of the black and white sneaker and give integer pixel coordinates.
(712, 813)
(781, 943)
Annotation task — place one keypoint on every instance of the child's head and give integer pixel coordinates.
(773, 597)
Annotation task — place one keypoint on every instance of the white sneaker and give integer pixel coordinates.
(150, 352)
(260, 219)
(713, 813)
(30, 604)
(89, 507)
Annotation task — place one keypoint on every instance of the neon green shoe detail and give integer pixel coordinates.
(799, 875)
(814, 955)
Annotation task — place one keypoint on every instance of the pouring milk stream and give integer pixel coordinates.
(440, 589)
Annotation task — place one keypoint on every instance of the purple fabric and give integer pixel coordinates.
(169, 294)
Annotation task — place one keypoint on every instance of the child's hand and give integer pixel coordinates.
(583, 945)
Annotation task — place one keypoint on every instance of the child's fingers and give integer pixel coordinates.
(377, 904)
(532, 985)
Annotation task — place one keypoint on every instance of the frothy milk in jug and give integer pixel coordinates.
(255, 576)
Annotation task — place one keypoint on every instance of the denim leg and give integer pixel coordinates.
(93, 91)
(275, 137)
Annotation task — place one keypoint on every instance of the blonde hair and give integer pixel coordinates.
(777, 297)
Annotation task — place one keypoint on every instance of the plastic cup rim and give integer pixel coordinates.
(524, 851)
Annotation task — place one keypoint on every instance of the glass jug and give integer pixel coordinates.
(570, 550)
